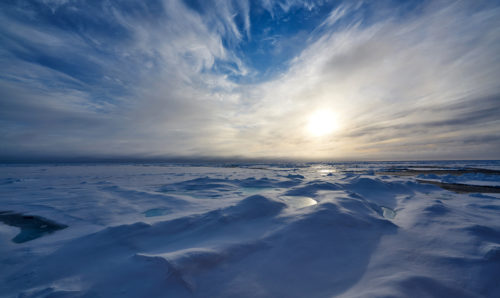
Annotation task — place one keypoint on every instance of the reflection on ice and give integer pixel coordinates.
(253, 190)
(324, 169)
(327, 171)
(299, 202)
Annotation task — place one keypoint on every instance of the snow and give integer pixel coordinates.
(471, 179)
(248, 230)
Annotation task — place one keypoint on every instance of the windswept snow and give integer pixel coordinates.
(248, 230)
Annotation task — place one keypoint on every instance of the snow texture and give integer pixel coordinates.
(247, 230)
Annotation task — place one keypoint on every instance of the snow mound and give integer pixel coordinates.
(255, 206)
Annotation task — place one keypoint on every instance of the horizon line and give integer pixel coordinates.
(207, 159)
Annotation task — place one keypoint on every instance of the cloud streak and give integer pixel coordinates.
(173, 78)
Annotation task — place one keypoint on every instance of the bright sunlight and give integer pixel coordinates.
(321, 123)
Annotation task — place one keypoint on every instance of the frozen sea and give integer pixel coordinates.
(385, 229)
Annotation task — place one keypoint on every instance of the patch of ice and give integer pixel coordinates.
(388, 212)
(155, 212)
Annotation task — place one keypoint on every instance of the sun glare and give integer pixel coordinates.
(321, 123)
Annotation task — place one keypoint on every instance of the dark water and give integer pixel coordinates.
(32, 227)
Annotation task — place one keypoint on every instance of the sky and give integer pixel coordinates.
(318, 80)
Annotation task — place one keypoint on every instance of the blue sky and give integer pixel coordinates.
(255, 79)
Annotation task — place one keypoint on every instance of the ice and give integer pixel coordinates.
(32, 227)
(155, 212)
(388, 212)
(248, 230)
(477, 178)
(298, 202)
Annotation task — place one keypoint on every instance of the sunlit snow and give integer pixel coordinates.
(247, 230)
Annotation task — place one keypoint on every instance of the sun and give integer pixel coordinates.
(322, 123)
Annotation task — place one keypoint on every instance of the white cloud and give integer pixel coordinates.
(384, 80)
(398, 86)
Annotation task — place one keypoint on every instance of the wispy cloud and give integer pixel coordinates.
(165, 78)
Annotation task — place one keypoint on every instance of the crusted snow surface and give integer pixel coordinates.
(246, 230)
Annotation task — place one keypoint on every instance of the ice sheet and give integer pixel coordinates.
(249, 230)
